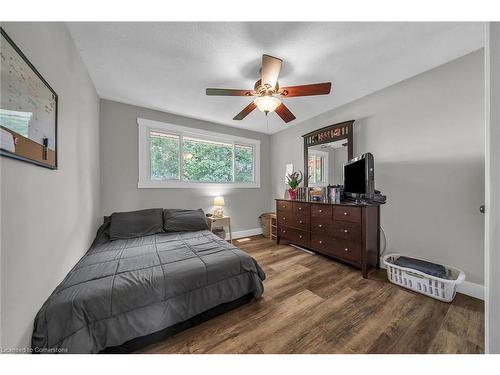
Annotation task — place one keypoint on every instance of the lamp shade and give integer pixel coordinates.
(219, 201)
(267, 103)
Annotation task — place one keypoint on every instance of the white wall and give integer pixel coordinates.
(427, 136)
(49, 218)
(492, 63)
(119, 169)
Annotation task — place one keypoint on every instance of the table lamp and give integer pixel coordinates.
(218, 203)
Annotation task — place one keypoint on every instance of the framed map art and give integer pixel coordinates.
(28, 109)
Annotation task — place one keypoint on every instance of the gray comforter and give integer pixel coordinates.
(125, 289)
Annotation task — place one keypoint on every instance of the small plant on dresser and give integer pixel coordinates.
(293, 180)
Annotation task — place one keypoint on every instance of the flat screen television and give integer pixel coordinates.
(359, 179)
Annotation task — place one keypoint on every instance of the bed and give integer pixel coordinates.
(125, 289)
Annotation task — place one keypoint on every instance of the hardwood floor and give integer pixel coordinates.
(312, 304)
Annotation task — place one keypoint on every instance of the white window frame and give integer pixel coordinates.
(146, 126)
(325, 155)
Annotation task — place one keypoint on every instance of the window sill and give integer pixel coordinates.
(193, 185)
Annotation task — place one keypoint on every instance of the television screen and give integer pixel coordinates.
(354, 177)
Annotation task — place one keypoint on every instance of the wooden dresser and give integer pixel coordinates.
(343, 231)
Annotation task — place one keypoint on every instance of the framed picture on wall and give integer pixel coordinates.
(28, 109)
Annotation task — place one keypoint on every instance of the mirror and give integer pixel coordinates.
(325, 164)
(325, 152)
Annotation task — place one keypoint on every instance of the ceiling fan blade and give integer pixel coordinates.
(306, 90)
(284, 113)
(271, 67)
(245, 112)
(229, 92)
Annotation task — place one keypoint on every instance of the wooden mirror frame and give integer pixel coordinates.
(331, 133)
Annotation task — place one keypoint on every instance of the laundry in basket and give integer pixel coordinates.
(409, 273)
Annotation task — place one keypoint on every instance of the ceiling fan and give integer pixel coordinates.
(267, 86)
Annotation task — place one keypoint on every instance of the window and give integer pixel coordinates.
(176, 156)
(164, 156)
(243, 167)
(207, 161)
(317, 168)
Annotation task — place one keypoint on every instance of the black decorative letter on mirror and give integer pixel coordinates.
(325, 151)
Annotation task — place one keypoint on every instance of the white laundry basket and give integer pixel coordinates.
(432, 286)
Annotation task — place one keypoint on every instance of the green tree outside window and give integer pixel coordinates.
(202, 160)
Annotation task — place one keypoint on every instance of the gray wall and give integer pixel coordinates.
(427, 136)
(339, 158)
(49, 218)
(119, 169)
(492, 318)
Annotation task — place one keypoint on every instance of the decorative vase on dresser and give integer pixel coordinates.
(343, 231)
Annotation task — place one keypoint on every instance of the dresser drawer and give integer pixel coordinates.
(344, 213)
(283, 205)
(348, 250)
(321, 211)
(295, 236)
(321, 242)
(321, 224)
(288, 219)
(285, 217)
(346, 230)
(301, 222)
(301, 210)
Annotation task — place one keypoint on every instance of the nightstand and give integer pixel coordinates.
(225, 221)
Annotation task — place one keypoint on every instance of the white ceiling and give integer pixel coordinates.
(167, 66)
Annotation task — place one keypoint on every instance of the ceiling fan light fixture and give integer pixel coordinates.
(267, 103)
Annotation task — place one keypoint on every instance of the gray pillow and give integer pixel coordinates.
(105, 225)
(102, 235)
(135, 223)
(184, 220)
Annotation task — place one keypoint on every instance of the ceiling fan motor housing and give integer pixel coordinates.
(261, 89)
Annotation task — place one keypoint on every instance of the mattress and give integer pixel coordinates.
(124, 289)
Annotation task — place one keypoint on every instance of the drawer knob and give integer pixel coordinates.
(320, 241)
(300, 208)
(320, 211)
(320, 225)
(283, 206)
(300, 236)
(345, 213)
(300, 221)
(346, 249)
(346, 231)
(284, 218)
(284, 231)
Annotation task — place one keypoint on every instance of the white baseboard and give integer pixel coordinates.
(467, 288)
(471, 289)
(245, 233)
